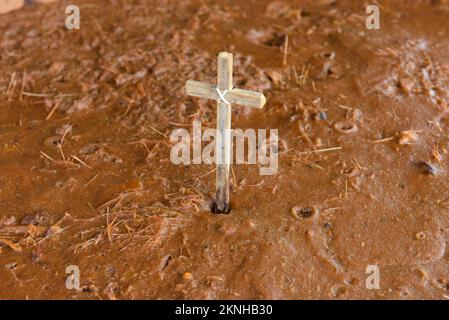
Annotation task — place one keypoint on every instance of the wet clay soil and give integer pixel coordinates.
(86, 177)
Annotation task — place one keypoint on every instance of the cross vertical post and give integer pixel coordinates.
(223, 143)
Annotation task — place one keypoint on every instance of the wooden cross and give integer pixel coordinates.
(225, 95)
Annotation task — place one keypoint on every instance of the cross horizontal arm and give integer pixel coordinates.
(201, 90)
(235, 96)
(246, 98)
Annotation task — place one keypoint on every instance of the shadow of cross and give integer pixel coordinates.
(225, 96)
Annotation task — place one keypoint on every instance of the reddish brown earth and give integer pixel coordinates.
(86, 178)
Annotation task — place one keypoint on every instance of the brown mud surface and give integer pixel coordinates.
(86, 177)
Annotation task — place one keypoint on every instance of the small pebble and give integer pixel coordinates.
(327, 55)
(430, 168)
(304, 212)
(420, 235)
(321, 115)
(11, 266)
(345, 127)
(407, 84)
(7, 220)
(338, 291)
(351, 172)
(408, 137)
(355, 115)
(41, 218)
(276, 77)
(187, 276)
(52, 141)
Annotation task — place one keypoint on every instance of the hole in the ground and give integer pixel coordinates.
(226, 210)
